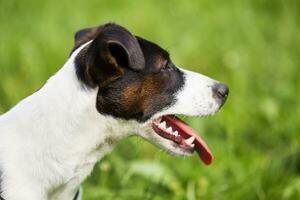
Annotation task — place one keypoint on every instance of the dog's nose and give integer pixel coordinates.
(220, 91)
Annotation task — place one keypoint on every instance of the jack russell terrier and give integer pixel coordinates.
(113, 85)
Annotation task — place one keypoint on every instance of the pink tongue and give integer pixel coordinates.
(186, 131)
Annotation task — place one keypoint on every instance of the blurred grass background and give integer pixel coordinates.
(252, 45)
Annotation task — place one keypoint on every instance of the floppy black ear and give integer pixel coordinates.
(106, 58)
(119, 46)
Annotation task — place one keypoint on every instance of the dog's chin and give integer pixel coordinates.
(164, 144)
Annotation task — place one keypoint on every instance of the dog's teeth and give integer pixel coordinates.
(162, 125)
(190, 140)
(175, 133)
(192, 145)
(169, 130)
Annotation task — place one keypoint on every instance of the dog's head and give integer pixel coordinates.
(137, 81)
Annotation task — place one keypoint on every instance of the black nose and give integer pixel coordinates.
(220, 91)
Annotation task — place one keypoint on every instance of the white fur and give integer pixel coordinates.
(195, 98)
(51, 140)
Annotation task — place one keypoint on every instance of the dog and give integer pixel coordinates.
(113, 85)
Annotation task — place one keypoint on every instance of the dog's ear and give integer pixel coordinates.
(121, 46)
(84, 35)
(112, 51)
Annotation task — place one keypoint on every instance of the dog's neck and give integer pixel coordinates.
(69, 108)
(62, 133)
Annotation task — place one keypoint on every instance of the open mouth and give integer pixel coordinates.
(172, 128)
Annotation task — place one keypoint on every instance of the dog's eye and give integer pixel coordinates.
(166, 66)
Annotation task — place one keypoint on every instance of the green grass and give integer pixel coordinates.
(252, 45)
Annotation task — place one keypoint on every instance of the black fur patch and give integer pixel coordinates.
(135, 77)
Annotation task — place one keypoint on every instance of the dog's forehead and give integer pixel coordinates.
(152, 49)
(155, 56)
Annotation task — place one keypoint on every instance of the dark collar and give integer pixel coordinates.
(0, 188)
